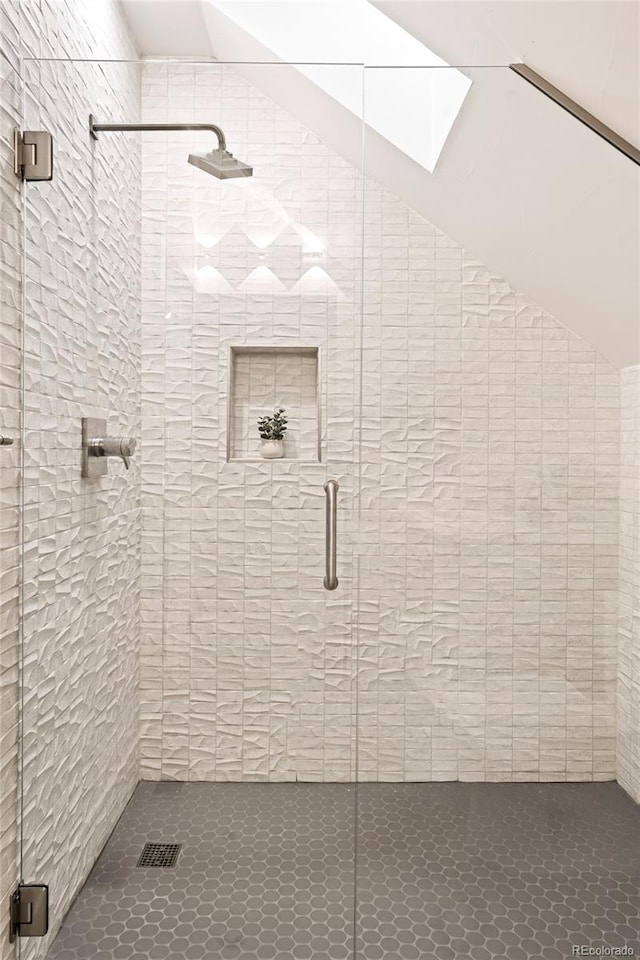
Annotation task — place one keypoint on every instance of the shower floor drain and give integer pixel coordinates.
(159, 855)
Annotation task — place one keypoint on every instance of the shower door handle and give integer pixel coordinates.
(331, 534)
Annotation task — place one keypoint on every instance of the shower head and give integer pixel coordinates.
(221, 164)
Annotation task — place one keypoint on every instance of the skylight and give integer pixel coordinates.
(412, 107)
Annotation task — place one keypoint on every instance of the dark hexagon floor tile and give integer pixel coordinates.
(482, 871)
(445, 871)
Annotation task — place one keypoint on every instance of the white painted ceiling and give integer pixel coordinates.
(521, 184)
(168, 28)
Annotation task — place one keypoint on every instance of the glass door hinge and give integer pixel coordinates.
(33, 154)
(29, 911)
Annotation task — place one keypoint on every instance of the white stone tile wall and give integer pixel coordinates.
(81, 552)
(628, 769)
(484, 632)
(489, 506)
(246, 659)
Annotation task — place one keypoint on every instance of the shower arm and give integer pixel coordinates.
(96, 128)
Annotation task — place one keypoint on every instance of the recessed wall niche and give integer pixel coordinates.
(263, 378)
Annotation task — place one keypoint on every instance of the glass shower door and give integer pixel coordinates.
(80, 537)
(486, 613)
(176, 627)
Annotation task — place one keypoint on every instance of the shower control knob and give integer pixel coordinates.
(6, 441)
(123, 447)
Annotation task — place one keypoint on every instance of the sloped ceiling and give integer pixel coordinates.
(521, 184)
(591, 50)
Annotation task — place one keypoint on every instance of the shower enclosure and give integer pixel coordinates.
(191, 637)
(377, 770)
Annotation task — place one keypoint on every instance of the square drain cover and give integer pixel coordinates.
(159, 855)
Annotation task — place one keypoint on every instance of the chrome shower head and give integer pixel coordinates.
(221, 164)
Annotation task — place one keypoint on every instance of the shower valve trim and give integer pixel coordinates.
(98, 447)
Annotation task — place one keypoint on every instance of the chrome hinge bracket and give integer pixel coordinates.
(33, 154)
(29, 911)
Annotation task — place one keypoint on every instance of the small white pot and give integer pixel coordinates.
(272, 449)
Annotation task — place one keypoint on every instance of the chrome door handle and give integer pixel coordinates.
(331, 534)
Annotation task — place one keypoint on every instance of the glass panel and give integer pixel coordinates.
(486, 612)
(190, 587)
(10, 276)
(81, 538)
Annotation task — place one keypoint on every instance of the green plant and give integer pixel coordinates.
(273, 427)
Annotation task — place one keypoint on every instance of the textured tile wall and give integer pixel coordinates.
(245, 657)
(489, 506)
(628, 769)
(81, 554)
(485, 622)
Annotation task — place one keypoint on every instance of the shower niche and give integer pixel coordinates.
(263, 378)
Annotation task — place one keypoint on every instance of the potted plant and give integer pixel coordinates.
(272, 430)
